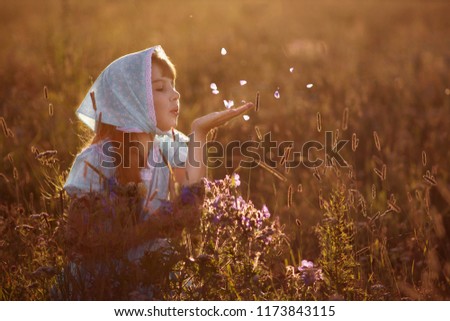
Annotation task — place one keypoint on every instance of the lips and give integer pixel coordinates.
(175, 111)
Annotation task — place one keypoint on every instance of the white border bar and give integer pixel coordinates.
(285, 310)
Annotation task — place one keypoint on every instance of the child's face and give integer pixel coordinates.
(165, 99)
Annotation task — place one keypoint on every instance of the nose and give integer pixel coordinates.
(175, 95)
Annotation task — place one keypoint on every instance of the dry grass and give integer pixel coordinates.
(380, 80)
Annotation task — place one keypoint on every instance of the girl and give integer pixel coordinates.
(133, 107)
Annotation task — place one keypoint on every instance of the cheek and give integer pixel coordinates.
(156, 106)
(159, 99)
(157, 103)
(159, 112)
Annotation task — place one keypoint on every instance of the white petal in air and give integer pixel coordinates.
(246, 117)
(309, 86)
(228, 103)
(242, 82)
(291, 70)
(215, 91)
(276, 94)
(223, 52)
(213, 86)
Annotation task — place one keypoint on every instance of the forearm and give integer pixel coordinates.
(196, 163)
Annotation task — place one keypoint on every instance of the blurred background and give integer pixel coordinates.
(383, 65)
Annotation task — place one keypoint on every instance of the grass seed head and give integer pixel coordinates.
(345, 119)
(319, 122)
(376, 139)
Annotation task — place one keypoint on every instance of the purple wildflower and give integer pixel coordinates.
(259, 222)
(216, 202)
(166, 207)
(238, 204)
(309, 273)
(306, 265)
(187, 196)
(217, 218)
(235, 180)
(265, 212)
(245, 221)
(112, 182)
(267, 240)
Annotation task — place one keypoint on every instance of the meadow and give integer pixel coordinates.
(374, 73)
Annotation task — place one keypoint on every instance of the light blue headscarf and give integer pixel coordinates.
(123, 95)
(123, 98)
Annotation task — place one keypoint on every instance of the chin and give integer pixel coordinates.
(164, 128)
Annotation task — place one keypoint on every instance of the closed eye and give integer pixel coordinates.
(162, 84)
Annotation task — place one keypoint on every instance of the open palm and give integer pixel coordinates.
(204, 124)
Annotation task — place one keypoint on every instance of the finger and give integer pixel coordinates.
(231, 113)
(227, 115)
(244, 107)
(217, 119)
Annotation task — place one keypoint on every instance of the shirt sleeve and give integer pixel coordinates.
(175, 148)
(88, 172)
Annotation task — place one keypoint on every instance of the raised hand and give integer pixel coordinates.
(202, 125)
